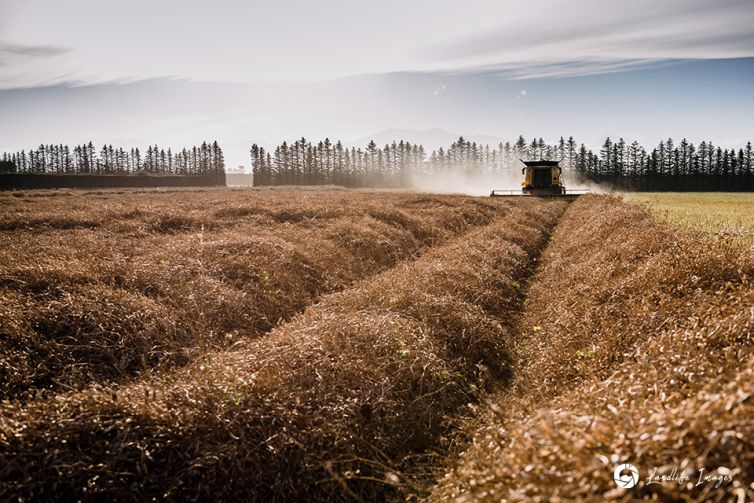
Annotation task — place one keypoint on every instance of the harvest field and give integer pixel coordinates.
(329, 344)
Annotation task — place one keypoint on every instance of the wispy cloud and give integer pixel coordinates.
(515, 38)
(22, 50)
(593, 36)
(28, 65)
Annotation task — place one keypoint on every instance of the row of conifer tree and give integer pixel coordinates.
(667, 166)
(304, 163)
(206, 159)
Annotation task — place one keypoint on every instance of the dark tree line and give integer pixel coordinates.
(205, 159)
(304, 163)
(669, 166)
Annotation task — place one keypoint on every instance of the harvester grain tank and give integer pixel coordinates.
(541, 178)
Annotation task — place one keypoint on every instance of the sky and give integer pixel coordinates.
(179, 72)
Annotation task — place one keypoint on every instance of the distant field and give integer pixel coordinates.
(713, 212)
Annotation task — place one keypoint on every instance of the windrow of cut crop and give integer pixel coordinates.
(168, 280)
(332, 405)
(637, 347)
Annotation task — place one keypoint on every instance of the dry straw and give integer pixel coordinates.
(334, 404)
(636, 346)
(104, 286)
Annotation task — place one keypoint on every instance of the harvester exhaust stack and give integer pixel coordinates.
(541, 178)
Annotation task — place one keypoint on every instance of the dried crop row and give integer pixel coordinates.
(637, 347)
(332, 405)
(162, 277)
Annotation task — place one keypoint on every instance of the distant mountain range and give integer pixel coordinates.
(431, 139)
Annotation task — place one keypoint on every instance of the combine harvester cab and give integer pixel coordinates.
(543, 179)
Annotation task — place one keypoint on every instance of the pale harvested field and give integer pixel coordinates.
(725, 214)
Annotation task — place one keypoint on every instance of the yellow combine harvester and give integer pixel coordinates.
(541, 178)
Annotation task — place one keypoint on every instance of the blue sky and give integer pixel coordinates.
(177, 72)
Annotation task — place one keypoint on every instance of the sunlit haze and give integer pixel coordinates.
(178, 72)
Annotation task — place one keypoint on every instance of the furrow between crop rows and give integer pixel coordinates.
(635, 346)
(152, 286)
(335, 404)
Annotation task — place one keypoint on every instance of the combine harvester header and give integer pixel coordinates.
(543, 179)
